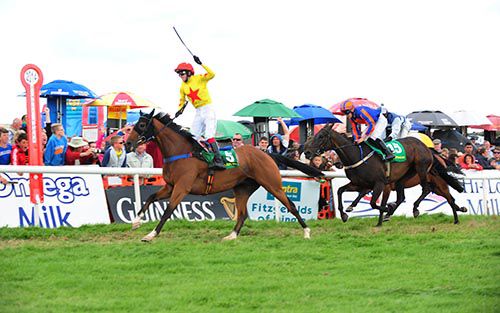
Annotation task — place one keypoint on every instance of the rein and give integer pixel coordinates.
(360, 162)
(144, 139)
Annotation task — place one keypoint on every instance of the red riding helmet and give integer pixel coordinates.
(184, 67)
(346, 107)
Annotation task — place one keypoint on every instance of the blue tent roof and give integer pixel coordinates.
(317, 113)
(65, 88)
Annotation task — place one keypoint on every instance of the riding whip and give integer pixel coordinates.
(175, 30)
(181, 110)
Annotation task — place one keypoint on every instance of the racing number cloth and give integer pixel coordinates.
(397, 149)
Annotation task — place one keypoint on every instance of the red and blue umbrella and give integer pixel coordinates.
(335, 109)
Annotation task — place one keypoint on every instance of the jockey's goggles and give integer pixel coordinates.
(182, 73)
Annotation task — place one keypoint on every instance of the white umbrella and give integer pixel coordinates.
(466, 118)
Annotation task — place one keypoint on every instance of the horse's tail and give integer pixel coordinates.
(452, 181)
(304, 168)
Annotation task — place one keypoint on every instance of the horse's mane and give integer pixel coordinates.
(341, 136)
(166, 119)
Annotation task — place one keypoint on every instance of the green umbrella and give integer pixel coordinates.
(267, 108)
(226, 130)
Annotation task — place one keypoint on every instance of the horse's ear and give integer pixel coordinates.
(329, 126)
(140, 113)
(152, 113)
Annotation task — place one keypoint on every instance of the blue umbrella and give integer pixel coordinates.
(57, 92)
(318, 114)
(67, 89)
(417, 126)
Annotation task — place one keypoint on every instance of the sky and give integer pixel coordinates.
(409, 55)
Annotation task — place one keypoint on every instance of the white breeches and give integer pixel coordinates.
(400, 128)
(204, 123)
(379, 128)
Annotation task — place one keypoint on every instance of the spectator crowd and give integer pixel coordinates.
(58, 149)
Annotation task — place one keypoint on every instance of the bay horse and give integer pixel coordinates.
(439, 179)
(185, 172)
(367, 172)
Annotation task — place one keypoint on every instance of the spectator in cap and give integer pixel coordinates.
(437, 145)
(76, 153)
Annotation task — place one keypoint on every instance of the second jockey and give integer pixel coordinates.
(376, 124)
(194, 87)
(400, 126)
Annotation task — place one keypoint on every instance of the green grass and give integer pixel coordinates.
(423, 265)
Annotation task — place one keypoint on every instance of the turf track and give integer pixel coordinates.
(423, 265)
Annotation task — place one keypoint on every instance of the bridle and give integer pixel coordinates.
(148, 133)
(340, 150)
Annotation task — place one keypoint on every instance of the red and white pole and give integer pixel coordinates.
(32, 80)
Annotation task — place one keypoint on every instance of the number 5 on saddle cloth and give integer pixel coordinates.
(228, 157)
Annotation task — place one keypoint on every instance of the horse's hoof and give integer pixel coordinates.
(349, 209)
(307, 233)
(416, 213)
(231, 236)
(387, 218)
(344, 217)
(136, 224)
(456, 222)
(149, 236)
(391, 207)
(463, 209)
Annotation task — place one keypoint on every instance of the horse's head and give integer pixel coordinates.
(320, 143)
(143, 130)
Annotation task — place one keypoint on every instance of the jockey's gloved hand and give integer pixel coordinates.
(388, 139)
(197, 59)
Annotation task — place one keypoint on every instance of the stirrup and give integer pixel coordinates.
(217, 166)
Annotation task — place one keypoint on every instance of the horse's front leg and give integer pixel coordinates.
(361, 194)
(163, 193)
(180, 190)
(377, 190)
(349, 187)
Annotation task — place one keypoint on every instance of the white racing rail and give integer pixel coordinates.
(137, 172)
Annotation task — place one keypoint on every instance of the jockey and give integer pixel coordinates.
(400, 125)
(195, 88)
(375, 121)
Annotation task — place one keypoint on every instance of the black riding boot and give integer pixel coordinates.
(217, 163)
(388, 153)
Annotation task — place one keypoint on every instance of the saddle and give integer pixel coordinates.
(399, 154)
(228, 157)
